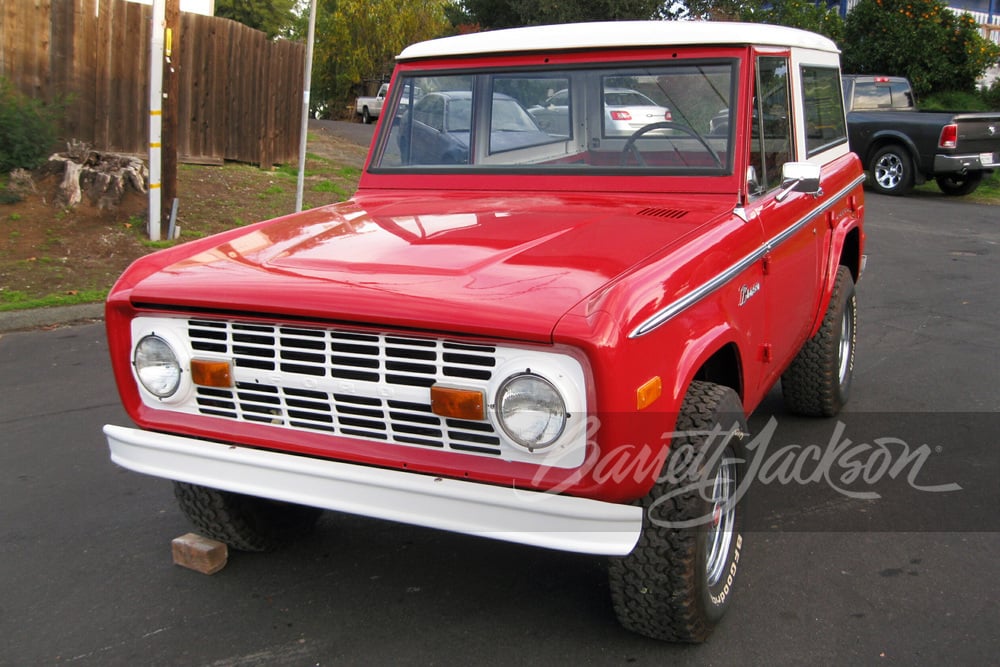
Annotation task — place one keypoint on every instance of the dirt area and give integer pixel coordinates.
(52, 255)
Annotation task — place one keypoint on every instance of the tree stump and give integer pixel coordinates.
(103, 177)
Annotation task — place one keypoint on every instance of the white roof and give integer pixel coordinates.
(610, 34)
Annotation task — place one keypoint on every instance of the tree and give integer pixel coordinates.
(274, 17)
(936, 49)
(357, 42)
(802, 14)
(493, 14)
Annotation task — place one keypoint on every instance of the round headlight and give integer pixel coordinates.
(157, 367)
(531, 411)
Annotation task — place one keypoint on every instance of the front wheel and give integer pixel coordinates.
(678, 581)
(818, 382)
(959, 185)
(244, 522)
(891, 171)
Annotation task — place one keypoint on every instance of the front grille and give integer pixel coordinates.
(365, 385)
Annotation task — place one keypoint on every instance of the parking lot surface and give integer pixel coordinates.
(886, 556)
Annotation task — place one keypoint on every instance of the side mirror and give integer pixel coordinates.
(799, 177)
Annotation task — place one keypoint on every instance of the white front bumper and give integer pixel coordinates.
(528, 517)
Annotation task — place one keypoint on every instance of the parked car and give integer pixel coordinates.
(629, 110)
(368, 108)
(625, 111)
(555, 340)
(441, 123)
(901, 146)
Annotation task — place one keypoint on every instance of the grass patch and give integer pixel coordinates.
(331, 188)
(15, 300)
(272, 191)
(988, 191)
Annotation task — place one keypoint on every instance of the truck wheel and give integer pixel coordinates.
(366, 117)
(891, 171)
(678, 581)
(818, 382)
(959, 185)
(244, 522)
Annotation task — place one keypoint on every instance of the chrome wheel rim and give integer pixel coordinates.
(846, 343)
(889, 171)
(719, 537)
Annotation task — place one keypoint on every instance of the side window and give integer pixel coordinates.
(529, 110)
(902, 96)
(823, 107)
(430, 125)
(771, 136)
(430, 112)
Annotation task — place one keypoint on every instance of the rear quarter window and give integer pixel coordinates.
(823, 109)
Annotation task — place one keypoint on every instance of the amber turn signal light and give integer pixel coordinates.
(211, 373)
(648, 392)
(457, 403)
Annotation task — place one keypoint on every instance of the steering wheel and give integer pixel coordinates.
(664, 125)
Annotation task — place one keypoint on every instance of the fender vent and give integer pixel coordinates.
(671, 213)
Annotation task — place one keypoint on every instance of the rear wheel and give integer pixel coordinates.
(818, 382)
(959, 185)
(677, 583)
(891, 171)
(366, 116)
(244, 522)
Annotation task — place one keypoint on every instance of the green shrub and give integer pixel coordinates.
(954, 100)
(991, 96)
(28, 129)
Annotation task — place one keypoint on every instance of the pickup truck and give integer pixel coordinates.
(901, 146)
(369, 108)
(550, 338)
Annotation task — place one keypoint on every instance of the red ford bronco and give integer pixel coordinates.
(578, 257)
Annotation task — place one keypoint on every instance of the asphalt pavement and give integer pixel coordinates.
(830, 575)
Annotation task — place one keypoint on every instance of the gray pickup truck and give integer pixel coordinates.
(900, 146)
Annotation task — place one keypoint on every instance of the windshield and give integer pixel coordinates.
(647, 119)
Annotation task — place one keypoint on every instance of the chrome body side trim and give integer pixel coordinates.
(697, 294)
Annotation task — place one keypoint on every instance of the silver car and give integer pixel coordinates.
(625, 111)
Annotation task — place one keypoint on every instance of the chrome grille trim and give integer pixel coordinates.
(349, 356)
(367, 385)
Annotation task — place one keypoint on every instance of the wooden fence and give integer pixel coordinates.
(240, 94)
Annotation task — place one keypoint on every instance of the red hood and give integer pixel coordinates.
(430, 263)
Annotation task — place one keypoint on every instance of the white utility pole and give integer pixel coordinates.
(307, 84)
(156, 115)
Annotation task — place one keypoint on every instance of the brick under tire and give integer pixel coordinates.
(818, 382)
(244, 522)
(677, 583)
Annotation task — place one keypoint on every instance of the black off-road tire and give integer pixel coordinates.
(818, 382)
(959, 185)
(891, 171)
(678, 581)
(244, 522)
(366, 116)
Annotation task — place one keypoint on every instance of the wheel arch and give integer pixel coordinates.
(724, 367)
(850, 253)
(889, 138)
(892, 138)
